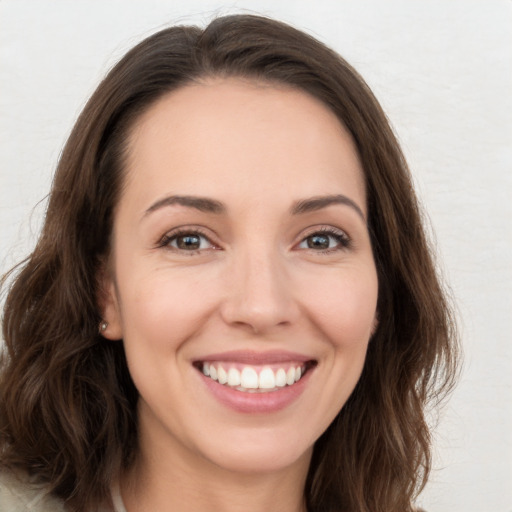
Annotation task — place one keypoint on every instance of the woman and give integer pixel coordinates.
(232, 302)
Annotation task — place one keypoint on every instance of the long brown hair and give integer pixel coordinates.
(67, 402)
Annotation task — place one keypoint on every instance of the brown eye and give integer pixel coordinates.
(318, 242)
(325, 241)
(189, 241)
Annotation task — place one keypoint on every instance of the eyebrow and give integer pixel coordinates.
(203, 204)
(208, 205)
(317, 203)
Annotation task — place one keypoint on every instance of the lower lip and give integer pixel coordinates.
(256, 403)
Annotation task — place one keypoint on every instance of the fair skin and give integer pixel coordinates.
(240, 241)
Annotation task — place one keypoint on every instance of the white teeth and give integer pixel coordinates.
(280, 378)
(222, 375)
(267, 379)
(234, 377)
(249, 378)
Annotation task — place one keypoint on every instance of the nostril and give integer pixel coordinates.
(258, 318)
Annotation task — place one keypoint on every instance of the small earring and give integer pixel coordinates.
(103, 326)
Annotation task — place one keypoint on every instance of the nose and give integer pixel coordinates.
(259, 294)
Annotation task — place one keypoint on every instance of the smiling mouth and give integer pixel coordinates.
(255, 378)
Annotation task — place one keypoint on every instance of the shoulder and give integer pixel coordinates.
(19, 494)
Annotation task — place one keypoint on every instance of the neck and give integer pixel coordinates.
(166, 478)
(179, 493)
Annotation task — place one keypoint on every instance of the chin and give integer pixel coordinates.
(256, 455)
(262, 463)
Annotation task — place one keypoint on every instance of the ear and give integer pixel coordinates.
(108, 304)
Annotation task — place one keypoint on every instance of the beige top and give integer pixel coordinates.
(20, 495)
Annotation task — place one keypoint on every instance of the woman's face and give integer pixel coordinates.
(243, 283)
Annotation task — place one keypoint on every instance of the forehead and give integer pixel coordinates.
(218, 135)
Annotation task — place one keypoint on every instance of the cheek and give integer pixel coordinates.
(344, 307)
(160, 316)
(163, 309)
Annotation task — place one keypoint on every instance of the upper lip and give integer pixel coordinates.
(251, 357)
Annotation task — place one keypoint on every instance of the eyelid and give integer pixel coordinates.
(164, 241)
(341, 235)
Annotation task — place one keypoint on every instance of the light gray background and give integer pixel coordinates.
(442, 70)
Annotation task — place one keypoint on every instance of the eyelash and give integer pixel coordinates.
(343, 241)
(168, 238)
